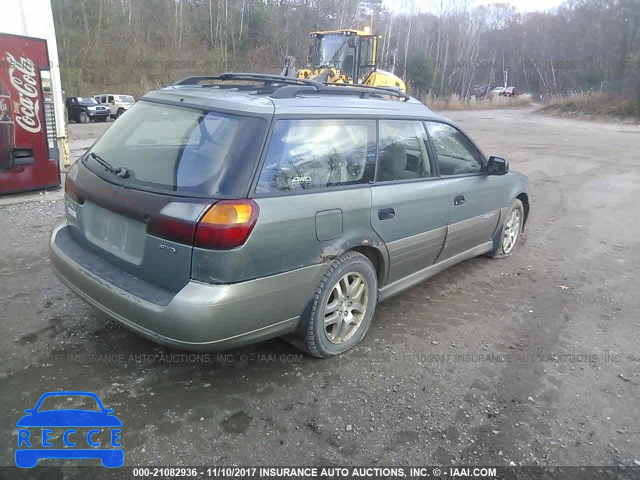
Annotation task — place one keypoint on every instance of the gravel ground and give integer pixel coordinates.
(531, 360)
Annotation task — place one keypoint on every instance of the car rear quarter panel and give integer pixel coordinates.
(293, 231)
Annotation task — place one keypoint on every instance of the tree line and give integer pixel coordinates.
(131, 46)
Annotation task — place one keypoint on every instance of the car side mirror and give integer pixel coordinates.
(497, 166)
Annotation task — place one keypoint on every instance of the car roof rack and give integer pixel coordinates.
(248, 77)
(290, 87)
(391, 91)
(362, 91)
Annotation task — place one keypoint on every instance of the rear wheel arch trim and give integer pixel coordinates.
(376, 257)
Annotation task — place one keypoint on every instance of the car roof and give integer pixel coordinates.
(307, 104)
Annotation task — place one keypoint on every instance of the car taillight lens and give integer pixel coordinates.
(70, 190)
(172, 229)
(227, 224)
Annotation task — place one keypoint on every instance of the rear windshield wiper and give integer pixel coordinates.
(119, 171)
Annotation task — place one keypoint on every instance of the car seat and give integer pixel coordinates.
(393, 164)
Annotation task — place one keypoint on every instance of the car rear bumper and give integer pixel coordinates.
(200, 316)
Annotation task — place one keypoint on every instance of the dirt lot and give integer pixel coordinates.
(533, 360)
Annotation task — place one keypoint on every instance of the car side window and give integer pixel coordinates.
(110, 99)
(455, 154)
(318, 153)
(403, 151)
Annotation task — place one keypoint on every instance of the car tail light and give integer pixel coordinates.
(227, 224)
(70, 190)
(174, 229)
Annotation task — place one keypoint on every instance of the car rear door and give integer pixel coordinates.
(313, 192)
(475, 202)
(409, 203)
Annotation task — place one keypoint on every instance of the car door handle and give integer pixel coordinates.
(386, 213)
(459, 200)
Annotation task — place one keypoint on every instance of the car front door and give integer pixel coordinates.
(409, 203)
(475, 197)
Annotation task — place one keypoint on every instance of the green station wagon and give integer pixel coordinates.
(227, 210)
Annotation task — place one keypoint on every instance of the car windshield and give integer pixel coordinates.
(87, 101)
(180, 150)
(64, 402)
(125, 98)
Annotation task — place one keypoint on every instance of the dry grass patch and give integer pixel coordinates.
(455, 102)
(594, 106)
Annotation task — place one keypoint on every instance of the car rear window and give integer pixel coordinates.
(183, 150)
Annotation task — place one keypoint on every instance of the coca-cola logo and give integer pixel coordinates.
(22, 75)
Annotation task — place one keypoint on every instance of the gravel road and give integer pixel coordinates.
(531, 360)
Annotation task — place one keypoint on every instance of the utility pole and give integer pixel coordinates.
(504, 72)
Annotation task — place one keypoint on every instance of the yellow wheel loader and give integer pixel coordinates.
(344, 57)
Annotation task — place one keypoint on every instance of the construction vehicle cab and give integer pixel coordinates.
(345, 56)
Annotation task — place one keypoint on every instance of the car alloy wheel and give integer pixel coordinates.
(512, 229)
(340, 312)
(346, 307)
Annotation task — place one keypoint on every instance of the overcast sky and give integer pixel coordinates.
(434, 5)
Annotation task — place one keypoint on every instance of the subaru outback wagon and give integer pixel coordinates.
(227, 210)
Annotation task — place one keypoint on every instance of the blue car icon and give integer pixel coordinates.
(35, 433)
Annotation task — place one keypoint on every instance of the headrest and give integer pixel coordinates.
(395, 160)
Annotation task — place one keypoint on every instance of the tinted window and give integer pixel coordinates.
(184, 150)
(403, 151)
(312, 154)
(455, 153)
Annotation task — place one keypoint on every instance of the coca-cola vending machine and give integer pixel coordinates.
(29, 155)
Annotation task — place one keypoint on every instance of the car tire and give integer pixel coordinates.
(83, 117)
(511, 234)
(120, 112)
(342, 307)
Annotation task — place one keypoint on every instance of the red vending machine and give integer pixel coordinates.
(29, 154)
